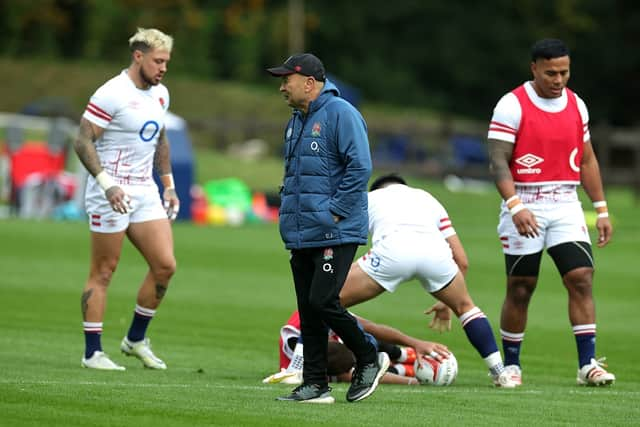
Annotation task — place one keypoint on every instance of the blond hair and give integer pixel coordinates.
(150, 38)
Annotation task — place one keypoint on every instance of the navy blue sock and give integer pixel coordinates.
(511, 352)
(511, 343)
(91, 344)
(92, 333)
(479, 332)
(141, 318)
(586, 342)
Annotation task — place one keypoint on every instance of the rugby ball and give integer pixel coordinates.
(431, 372)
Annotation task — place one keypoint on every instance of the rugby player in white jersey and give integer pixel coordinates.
(413, 238)
(120, 142)
(540, 150)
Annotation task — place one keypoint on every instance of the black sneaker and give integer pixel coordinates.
(309, 393)
(365, 378)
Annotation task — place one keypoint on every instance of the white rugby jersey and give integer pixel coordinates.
(399, 208)
(505, 123)
(132, 119)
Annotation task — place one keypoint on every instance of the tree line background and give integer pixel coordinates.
(456, 57)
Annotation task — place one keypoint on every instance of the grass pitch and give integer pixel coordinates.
(218, 330)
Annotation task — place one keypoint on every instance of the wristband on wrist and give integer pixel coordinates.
(105, 181)
(601, 207)
(603, 215)
(512, 201)
(167, 181)
(516, 208)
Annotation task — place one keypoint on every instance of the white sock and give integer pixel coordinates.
(494, 363)
(297, 361)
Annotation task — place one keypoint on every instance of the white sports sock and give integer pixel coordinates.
(297, 361)
(494, 363)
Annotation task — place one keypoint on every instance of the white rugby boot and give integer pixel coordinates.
(503, 380)
(594, 374)
(142, 350)
(515, 373)
(99, 360)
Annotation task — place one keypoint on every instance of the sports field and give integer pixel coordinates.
(218, 331)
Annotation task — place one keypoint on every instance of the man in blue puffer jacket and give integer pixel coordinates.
(323, 219)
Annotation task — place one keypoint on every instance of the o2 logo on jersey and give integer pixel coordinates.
(149, 130)
(375, 261)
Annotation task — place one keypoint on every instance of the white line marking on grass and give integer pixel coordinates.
(401, 390)
(396, 390)
(121, 384)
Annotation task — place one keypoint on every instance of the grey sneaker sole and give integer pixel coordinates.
(383, 362)
(323, 398)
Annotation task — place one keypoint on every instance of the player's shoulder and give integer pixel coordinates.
(430, 198)
(112, 87)
(119, 80)
(579, 100)
(582, 106)
(508, 102)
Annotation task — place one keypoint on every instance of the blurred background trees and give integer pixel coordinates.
(456, 57)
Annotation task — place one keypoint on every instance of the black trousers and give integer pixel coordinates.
(319, 274)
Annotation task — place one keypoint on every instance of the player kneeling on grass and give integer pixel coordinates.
(403, 350)
(413, 238)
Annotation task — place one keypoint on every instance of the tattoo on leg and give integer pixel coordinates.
(160, 290)
(84, 302)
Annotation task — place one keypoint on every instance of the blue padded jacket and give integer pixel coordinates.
(327, 168)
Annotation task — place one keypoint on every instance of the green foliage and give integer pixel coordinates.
(218, 330)
(458, 57)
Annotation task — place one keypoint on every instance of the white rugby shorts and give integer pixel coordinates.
(400, 257)
(559, 222)
(145, 201)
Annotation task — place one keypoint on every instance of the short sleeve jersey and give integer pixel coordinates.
(400, 208)
(132, 119)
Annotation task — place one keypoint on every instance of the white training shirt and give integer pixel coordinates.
(508, 113)
(132, 119)
(399, 208)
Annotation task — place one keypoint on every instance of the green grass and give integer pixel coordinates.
(218, 331)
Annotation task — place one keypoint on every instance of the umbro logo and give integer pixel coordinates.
(529, 160)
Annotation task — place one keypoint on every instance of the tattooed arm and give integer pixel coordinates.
(162, 158)
(84, 146)
(162, 165)
(499, 157)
